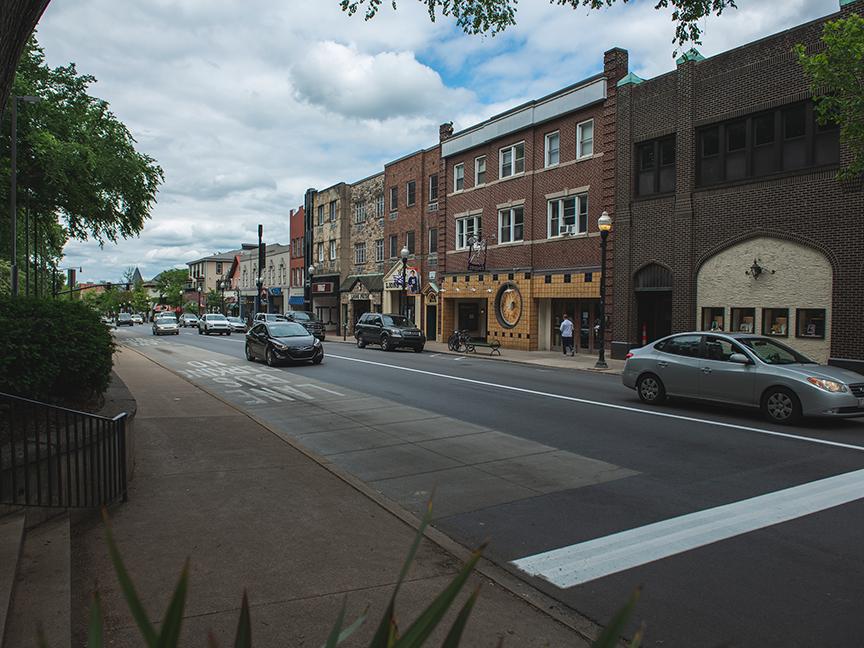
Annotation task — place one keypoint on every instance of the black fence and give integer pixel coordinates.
(51, 456)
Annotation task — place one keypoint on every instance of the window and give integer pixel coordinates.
(743, 320)
(409, 242)
(321, 258)
(332, 211)
(465, 229)
(394, 246)
(360, 212)
(218, 268)
(775, 321)
(320, 214)
(512, 160)
(480, 170)
(684, 345)
(568, 216)
(712, 319)
(433, 240)
(656, 167)
(510, 224)
(411, 190)
(332, 250)
(720, 349)
(458, 177)
(433, 187)
(394, 198)
(379, 250)
(360, 253)
(777, 140)
(379, 207)
(810, 323)
(552, 142)
(585, 139)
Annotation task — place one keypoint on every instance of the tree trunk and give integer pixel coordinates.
(18, 19)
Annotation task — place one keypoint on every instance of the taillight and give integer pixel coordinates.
(629, 355)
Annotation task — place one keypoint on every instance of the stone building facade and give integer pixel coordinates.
(521, 194)
(728, 211)
(330, 240)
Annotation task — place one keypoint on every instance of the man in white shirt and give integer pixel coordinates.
(566, 329)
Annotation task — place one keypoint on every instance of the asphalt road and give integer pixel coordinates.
(739, 530)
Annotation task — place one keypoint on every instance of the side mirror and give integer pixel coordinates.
(739, 358)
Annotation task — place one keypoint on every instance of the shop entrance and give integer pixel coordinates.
(431, 323)
(468, 318)
(653, 286)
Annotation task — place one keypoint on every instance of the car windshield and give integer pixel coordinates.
(774, 353)
(215, 317)
(236, 320)
(287, 329)
(165, 320)
(397, 320)
(300, 316)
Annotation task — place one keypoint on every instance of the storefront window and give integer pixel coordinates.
(775, 322)
(743, 319)
(712, 319)
(810, 323)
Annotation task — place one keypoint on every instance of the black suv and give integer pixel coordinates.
(388, 330)
(308, 320)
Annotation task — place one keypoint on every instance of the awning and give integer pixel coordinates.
(275, 291)
(296, 300)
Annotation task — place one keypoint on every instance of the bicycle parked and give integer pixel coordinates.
(460, 342)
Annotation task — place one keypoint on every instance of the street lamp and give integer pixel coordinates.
(403, 310)
(220, 285)
(605, 224)
(309, 272)
(13, 162)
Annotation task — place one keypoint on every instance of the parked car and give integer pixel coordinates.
(268, 317)
(213, 323)
(188, 319)
(743, 370)
(388, 330)
(137, 319)
(283, 341)
(237, 325)
(309, 320)
(124, 319)
(165, 326)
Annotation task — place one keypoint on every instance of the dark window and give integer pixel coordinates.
(394, 198)
(759, 145)
(394, 246)
(409, 242)
(412, 192)
(684, 345)
(433, 240)
(433, 188)
(656, 163)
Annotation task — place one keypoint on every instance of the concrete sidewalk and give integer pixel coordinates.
(252, 509)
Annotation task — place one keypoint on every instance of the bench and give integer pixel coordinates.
(494, 345)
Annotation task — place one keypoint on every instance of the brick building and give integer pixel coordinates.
(329, 238)
(520, 196)
(728, 213)
(297, 263)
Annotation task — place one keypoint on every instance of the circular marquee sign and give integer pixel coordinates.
(508, 305)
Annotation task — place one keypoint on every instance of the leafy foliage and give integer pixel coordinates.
(494, 16)
(172, 284)
(837, 75)
(50, 347)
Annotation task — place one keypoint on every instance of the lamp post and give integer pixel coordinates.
(13, 162)
(220, 285)
(404, 302)
(605, 224)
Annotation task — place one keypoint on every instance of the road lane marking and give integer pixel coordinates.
(587, 561)
(624, 408)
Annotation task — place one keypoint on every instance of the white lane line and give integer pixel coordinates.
(580, 563)
(624, 408)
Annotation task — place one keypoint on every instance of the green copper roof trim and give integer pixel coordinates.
(843, 3)
(630, 78)
(690, 55)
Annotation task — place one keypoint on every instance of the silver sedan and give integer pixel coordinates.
(743, 370)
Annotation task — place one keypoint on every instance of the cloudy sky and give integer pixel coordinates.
(247, 103)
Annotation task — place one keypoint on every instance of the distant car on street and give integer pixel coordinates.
(124, 319)
(165, 326)
(237, 325)
(308, 320)
(137, 319)
(281, 341)
(743, 370)
(188, 319)
(213, 323)
(268, 317)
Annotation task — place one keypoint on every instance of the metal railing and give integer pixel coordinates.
(52, 456)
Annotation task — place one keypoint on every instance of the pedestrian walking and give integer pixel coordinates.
(567, 335)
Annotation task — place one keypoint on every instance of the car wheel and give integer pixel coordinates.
(781, 405)
(200, 332)
(249, 355)
(318, 359)
(270, 357)
(650, 389)
(228, 333)
(418, 349)
(361, 343)
(386, 345)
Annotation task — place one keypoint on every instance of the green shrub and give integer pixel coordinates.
(51, 349)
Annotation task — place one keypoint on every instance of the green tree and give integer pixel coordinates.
(172, 284)
(140, 298)
(837, 74)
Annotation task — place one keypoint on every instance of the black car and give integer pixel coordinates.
(388, 330)
(308, 320)
(124, 319)
(283, 341)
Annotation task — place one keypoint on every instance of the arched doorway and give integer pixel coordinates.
(653, 287)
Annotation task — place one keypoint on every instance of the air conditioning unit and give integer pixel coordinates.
(566, 229)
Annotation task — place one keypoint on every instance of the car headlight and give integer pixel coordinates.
(827, 385)
(316, 343)
(396, 332)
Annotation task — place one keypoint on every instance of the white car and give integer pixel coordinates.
(188, 319)
(214, 323)
(165, 326)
